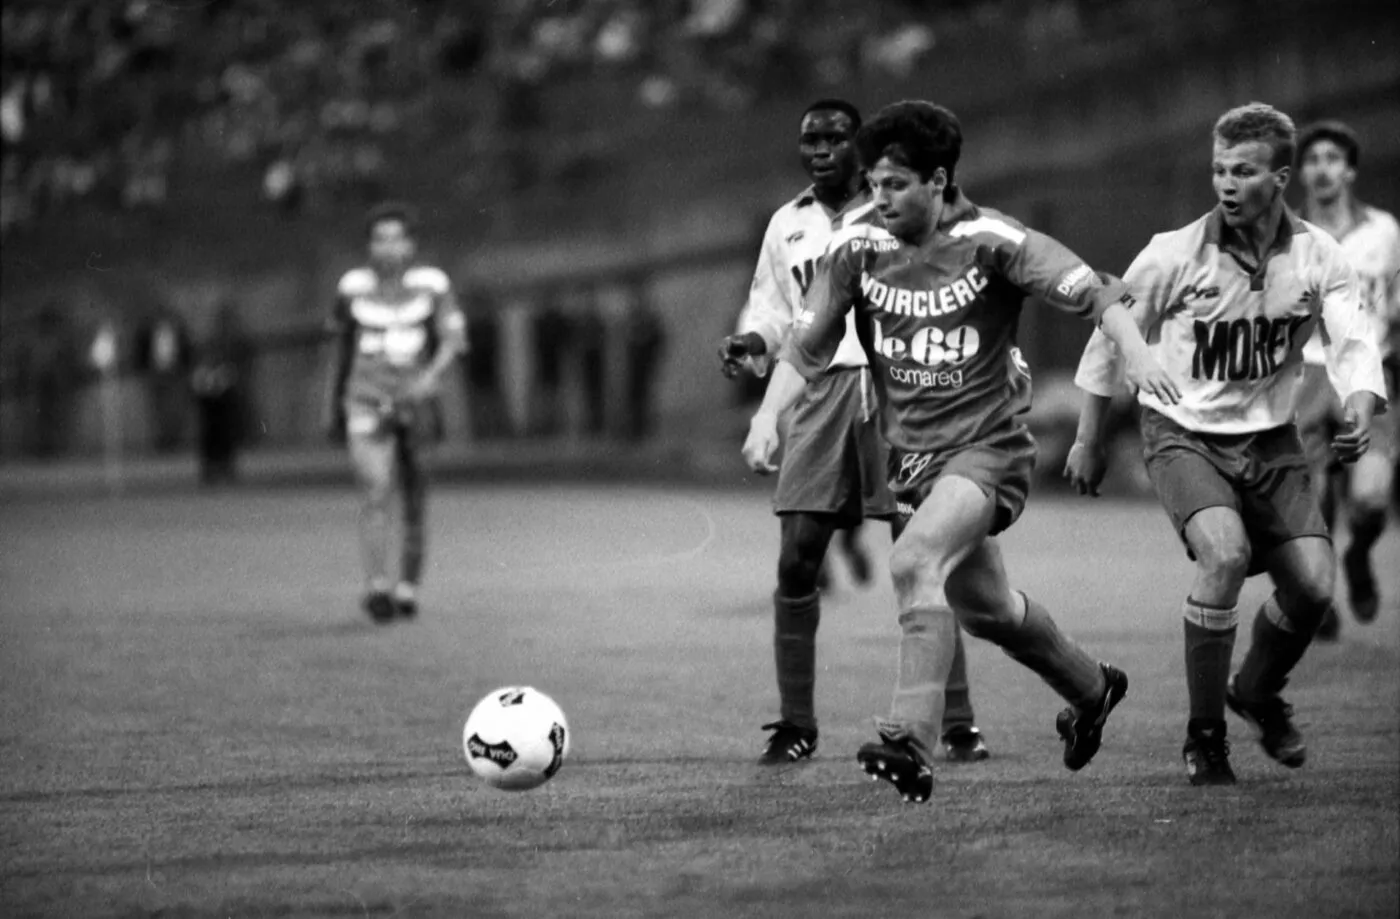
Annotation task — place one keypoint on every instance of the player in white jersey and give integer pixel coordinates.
(833, 472)
(1226, 303)
(398, 329)
(1328, 156)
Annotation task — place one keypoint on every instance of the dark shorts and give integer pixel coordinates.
(1264, 477)
(1318, 413)
(1001, 466)
(833, 456)
(413, 425)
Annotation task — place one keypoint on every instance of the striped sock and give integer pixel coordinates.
(1210, 645)
(957, 709)
(1275, 648)
(1038, 644)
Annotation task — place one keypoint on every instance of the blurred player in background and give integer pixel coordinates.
(1227, 302)
(398, 329)
(833, 466)
(1328, 156)
(937, 295)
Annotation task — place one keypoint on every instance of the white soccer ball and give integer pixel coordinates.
(516, 738)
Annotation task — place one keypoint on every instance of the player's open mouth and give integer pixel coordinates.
(1231, 207)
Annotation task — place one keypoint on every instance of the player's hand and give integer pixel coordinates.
(1149, 376)
(761, 443)
(1085, 467)
(737, 347)
(1355, 438)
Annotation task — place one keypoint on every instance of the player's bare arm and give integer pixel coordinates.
(1355, 439)
(342, 358)
(1088, 458)
(762, 442)
(453, 344)
(1139, 365)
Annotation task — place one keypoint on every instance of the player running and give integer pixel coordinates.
(937, 296)
(1328, 155)
(833, 468)
(397, 329)
(1227, 302)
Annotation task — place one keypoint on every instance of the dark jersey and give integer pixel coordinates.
(938, 321)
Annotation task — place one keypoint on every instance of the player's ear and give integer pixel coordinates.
(939, 181)
(1281, 177)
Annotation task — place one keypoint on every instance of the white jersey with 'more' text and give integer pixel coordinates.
(1232, 333)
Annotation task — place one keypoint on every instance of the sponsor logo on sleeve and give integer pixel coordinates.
(1074, 282)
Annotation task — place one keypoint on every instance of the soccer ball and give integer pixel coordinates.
(516, 738)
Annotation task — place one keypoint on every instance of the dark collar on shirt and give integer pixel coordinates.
(808, 196)
(1222, 235)
(1229, 242)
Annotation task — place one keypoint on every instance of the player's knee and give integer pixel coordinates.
(920, 620)
(377, 490)
(1224, 558)
(916, 569)
(983, 608)
(798, 570)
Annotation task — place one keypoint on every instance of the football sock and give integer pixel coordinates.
(957, 709)
(1210, 645)
(926, 650)
(414, 533)
(795, 621)
(405, 590)
(1276, 647)
(1038, 643)
(374, 529)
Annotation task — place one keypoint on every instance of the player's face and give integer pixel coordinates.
(1246, 186)
(1324, 172)
(390, 245)
(827, 148)
(909, 206)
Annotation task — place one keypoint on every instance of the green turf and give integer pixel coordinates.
(197, 722)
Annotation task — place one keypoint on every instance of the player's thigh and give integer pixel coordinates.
(1195, 486)
(948, 525)
(978, 590)
(1304, 571)
(373, 453)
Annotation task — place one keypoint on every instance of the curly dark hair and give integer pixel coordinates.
(917, 135)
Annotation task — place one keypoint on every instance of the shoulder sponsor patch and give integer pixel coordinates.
(1074, 282)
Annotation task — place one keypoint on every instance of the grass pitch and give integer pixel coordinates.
(197, 721)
